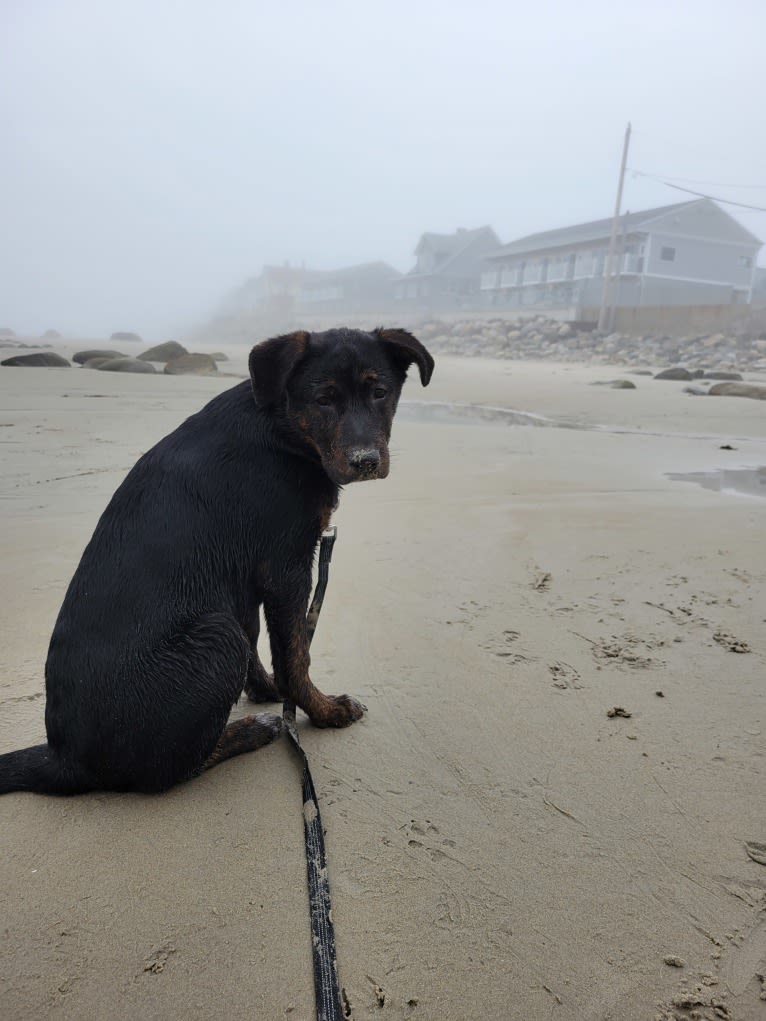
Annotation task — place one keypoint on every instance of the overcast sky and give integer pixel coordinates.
(156, 153)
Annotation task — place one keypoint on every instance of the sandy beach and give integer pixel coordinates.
(500, 846)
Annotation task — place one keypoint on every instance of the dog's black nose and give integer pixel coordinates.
(366, 461)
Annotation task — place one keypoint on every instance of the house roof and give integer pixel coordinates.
(365, 270)
(451, 243)
(598, 230)
(580, 233)
(451, 246)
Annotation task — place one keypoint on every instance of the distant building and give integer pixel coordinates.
(276, 288)
(356, 289)
(447, 272)
(690, 253)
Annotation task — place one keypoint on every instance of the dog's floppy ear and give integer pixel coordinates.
(405, 349)
(271, 364)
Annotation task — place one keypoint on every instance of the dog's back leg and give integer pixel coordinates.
(196, 678)
(245, 735)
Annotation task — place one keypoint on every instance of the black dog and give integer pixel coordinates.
(156, 638)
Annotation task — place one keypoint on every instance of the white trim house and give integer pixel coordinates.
(690, 253)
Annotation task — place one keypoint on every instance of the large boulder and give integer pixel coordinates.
(191, 365)
(47, 359)
(85, 356)
(715, 374)
(675, 373)
(758, 393)
(132, 337)
(125, 365)
(164, 352)
(96, 363)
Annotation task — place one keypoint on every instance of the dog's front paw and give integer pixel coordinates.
(338, 711)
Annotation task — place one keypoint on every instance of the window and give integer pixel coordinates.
(746, 261)
(667, 254)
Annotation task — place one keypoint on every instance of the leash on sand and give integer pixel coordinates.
(326, 989)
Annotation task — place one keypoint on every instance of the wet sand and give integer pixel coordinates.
(500, 847)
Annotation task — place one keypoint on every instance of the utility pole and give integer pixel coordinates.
(605, 317)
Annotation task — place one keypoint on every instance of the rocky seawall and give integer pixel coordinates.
(543, 339)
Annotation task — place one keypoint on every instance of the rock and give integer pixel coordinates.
(565, 330)
(51, 335)
(164, 352)
(41, 358)
(85, 356)
(133, 337)
(676, 373)
(722, 375)
(695, 391)
(758, 393)
(615, 384)
(219, 356)
(5, 331)
(96, 363)
(125, 365)
(539, 337)
(191, 364)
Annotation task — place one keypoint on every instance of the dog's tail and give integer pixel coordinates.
(36, 769)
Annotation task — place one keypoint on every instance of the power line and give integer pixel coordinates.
(701, 194)
(725, 202)
(696, 180)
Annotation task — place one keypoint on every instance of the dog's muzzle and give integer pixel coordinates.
(365, 462)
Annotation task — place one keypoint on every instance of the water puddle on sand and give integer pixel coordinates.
(442, 413)
(750, 481)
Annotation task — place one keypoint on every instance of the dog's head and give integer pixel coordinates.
(337, 391)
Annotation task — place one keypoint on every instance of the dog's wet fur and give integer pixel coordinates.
(156, 638)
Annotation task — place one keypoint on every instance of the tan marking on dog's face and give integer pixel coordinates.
(305, 425)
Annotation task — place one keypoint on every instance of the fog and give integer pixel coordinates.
(157, 154)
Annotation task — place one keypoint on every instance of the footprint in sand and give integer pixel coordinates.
(565, 676)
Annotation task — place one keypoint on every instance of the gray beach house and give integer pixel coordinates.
(689, 253)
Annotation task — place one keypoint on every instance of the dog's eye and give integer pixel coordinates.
(324, 400)
(379, 392)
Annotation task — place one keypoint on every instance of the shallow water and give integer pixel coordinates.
(751, 481)
(444, 413)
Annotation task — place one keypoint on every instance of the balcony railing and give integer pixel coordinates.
(560, 271)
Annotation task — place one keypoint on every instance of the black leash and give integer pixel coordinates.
(326, 987)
